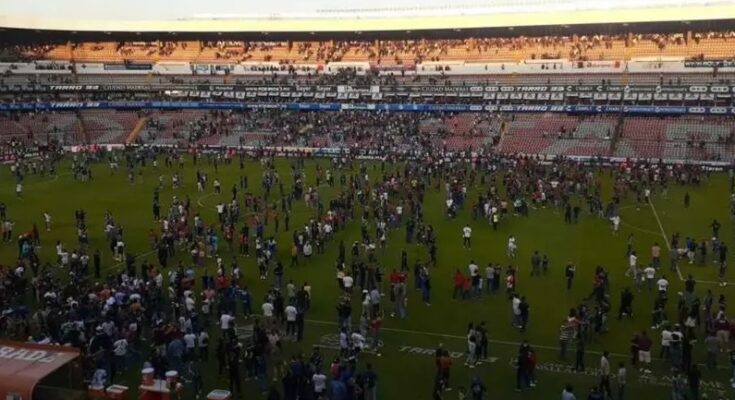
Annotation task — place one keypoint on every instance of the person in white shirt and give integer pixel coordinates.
(190, 304)
(358, 341)
(307, 250)
(226, 322)
(348, 281)
(474, 269)
(19, 190)
(320, 384)
(467, 237)
(512, 246)
(516, 305)
(650, 274)
(666, 338)
(632, 263)
(120, 349)
(47, 220)
(291, 313)
(267, 311)
(343, 341)
(605, 373)
(190, 340)
(615, 224)
(663, 284)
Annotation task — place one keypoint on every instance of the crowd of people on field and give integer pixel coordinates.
(124, 309)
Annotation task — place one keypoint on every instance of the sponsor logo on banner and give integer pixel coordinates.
(696, 110)
(19, 354)
(532, 88)
(709, 64)
(712, 387)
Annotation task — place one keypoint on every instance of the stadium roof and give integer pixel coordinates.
(367, 17)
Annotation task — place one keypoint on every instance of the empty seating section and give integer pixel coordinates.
(554, 134)
(682, 138)
(41, 127)
(104, 126)
(388, 52)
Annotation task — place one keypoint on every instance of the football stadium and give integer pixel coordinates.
(341, 200)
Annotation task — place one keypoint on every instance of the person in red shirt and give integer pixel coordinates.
(459, 282)
(467, 286)
(445, 364)
(375, 325)
(644, 351)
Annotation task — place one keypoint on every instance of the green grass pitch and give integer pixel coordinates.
(406, 367)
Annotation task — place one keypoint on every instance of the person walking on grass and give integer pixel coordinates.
(579, 359)
(622, 380)
(477, 389)
(535, 263)
(512, 247)
(523, 367)
(467, 237)
(569, 272)
(605, 374)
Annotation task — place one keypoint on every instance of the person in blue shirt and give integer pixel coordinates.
(338, 390)
(595, 394)
(370, 380)
(245, 298)
(477, 389)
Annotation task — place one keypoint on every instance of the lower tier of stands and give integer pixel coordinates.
(669, 138)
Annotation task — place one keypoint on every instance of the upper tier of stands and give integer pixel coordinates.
(712, 45)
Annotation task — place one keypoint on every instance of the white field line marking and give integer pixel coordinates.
(199, 200)
(137, 257)
(639, 229)
(678, 271)
(446, 336)
(666, 237)
(501, 342)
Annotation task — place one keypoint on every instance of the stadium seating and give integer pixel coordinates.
(169, 127)
(106, 126)
(41, 127)
(716, 45)
(683, 138)
(553, 134)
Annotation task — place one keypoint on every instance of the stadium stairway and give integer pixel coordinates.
(83, 127)
(617, 133)
(133, 135)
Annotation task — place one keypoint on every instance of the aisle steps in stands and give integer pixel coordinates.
(133, 136)
(83, 127)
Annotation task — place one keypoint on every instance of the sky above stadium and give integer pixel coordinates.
(205, 9)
